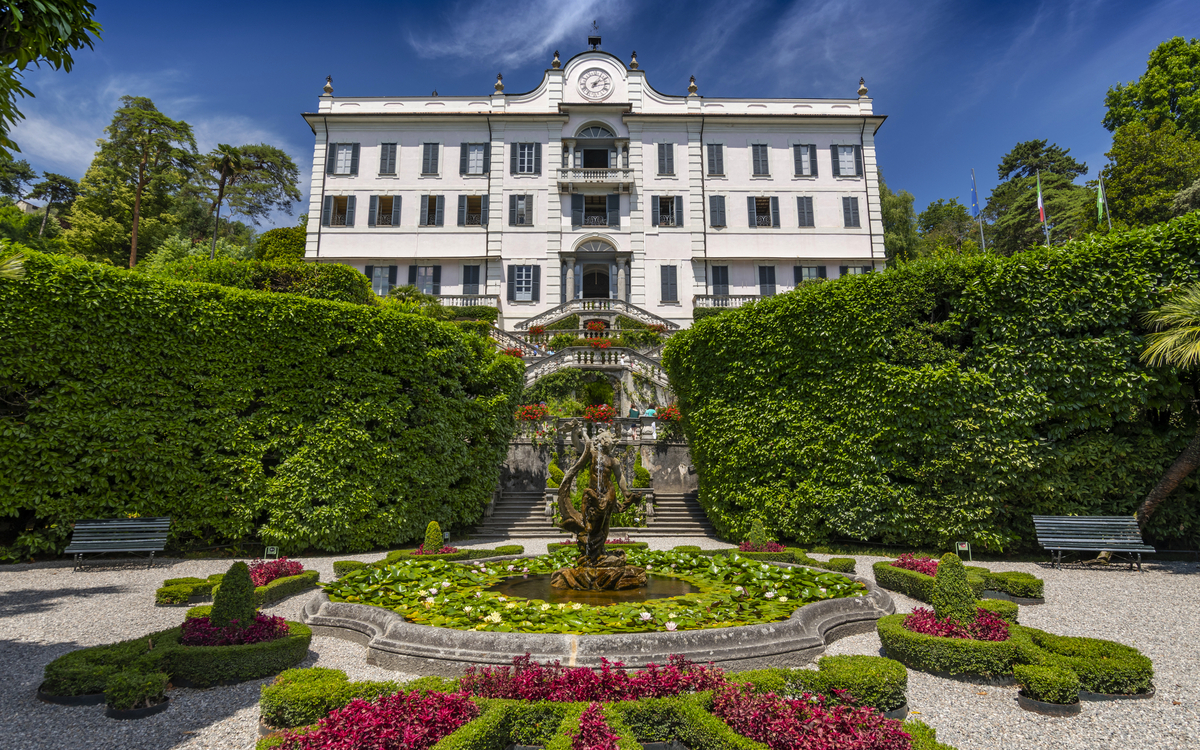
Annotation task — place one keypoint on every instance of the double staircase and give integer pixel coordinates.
(522, 515)
(676, 515)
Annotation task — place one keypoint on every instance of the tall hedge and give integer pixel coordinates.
(333, 281)
(945, 399)
(241, 414)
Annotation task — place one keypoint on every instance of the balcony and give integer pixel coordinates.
(723, 300)
(469, 300)
(571, 178)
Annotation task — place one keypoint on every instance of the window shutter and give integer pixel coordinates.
(679, 210)
(662, 158)
(812, 159)
(512, 283)
(395, 210)
(441, 206)
(412, 275)
(423, 219)
(529, 210)
(798, 153)
(372, 210)
(845, 212)
(837, 167)
(369, 271)
(774, 210)
(576, 210)
(483, 213)
(350, 211)
(854, 211)
(674, 284)
(487, 158)
(462, 210)
(470, 280)
(537, 283)
(821, 272)
(665, 292)
(670, 151)
(391, 277)
(327, 211)
(804, 209)
(721, 210)
(713, 211)
(842, 270)
(331, 158)
(858, 161)
(425, 158)
(393, 152)
(354, 160)
(654, 209)
(797, 275)
(512, 158)
(464, 155)
(512, 210)
(614, 209)
(383, 158)
(437, 279)
(716, 159)
(537, 158)
(750, 210)
(578, 157)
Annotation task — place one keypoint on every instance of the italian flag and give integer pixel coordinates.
(1041, 206)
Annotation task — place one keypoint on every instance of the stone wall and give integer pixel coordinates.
(670, 467)
(526, 468)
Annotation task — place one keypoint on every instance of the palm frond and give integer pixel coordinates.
(12, 267)
(1175, 340)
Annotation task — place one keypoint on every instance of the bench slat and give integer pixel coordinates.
(96, 535)
(1119, 534)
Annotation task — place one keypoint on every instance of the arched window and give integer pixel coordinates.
(595, 246)
(595, 131)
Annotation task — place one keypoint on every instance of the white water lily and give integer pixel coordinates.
(671, 625)
(783, 598)
(429, 600)
(645, 616)
(467, 609)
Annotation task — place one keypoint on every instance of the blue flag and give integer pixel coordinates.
(974, 196)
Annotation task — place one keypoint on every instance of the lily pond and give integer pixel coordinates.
(733, 590)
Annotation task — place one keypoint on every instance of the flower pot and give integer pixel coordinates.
(1086, 696)
(94, 699)
(897, 713)
(1048, 709)
(137, 713)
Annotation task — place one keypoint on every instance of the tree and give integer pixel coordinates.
(15, 176)
(1012, 206)
(1186, 200)
(55, 189)
(1147, 168)
(1174, 342)
(101, 219)
(1029, 158)
(946, 223)
(899, 224)
(257, 179)
(33, 32)
(282, 244)
(146, 147)
(1168, 92)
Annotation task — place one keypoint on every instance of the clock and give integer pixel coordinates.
(595, 84)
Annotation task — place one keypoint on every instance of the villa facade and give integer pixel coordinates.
(595, 186)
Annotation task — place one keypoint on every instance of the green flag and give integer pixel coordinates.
(1100, 201)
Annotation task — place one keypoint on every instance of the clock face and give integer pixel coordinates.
(595, 84)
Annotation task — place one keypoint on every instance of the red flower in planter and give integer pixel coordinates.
(596, 325)
(658, 328)
(668, 414)
(532, 413)
(600, 343)
(988, 626)
(601, 413)
(908, 561)
(537, 330)
(515, 351)
(263, 572)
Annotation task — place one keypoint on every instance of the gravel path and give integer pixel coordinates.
(46, 610)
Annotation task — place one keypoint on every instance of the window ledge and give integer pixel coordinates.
(847, 177)
(760, 176)
(804, 177)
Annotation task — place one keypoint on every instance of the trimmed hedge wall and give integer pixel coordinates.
(870, 680)
(177, 591)
(556, 546)
(332, 281)
(918, 585)
(946, 399)
(1048, 684)
(240, 414)
(789, 555)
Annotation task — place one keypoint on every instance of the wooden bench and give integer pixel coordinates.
(1117, 535)
(118, 535)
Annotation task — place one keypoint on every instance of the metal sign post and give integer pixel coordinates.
(962, 547)
(271, 553)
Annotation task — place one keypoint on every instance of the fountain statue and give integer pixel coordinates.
(595, 570)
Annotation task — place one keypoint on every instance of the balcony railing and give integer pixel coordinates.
(337, 220)
(594, 220)
(568, 177)
(469, 300)
(383, 220)
(762, 221)
(666, 220)
(474, 220)
(723, 300)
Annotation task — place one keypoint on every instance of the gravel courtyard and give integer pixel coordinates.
(47, 610)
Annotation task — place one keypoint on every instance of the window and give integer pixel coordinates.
(342, 158)
(474, 158)
(427, 279)
(470, 280)
(387, 158)
(854, 270)
(520, 210)
(382, 278)
(666, 158)
(763, 212)
(670, 286)
(384, 211)
(716, 159)
(805, 157)
(850, 211)
(666, 210)
(524, 283)
(596, 210)
(847, 161)
(472, 210)
(595, 131)
(804, 209)
(432, 210)
(766, 281)
(807, 273)
(720, 281)
(338, 211)
(716, 210)
(429, 158)
(762, 166)
(598, 158)
(526, 158)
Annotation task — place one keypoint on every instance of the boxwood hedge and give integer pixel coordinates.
(945, 399)
(1047, 684)
(240, 414)
(176, 591)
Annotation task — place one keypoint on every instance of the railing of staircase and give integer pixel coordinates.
(597, 305)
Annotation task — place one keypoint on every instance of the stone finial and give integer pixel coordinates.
(556, 63)
(435, 92)
(499, 82)
(862, 87)
(328, 85)
(692, 87)
(633, 64)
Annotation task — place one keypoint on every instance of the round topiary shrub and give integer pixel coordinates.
(233, 600)
(952, 597)
(433, 537)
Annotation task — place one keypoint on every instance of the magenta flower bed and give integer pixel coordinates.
(594, 733)
(926, 565)
(529, 680)
(443, 551)
(263, 572)
(404, 721)
(768, 547)
(807, 724)
(198, 631)
(988, 626)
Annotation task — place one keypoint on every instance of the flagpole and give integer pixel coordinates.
(978, 214)
(1103, 192)
(1042, 209)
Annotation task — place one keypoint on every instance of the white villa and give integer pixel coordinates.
(595, 186)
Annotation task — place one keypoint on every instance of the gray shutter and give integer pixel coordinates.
(330, 158)
(662, 158)
(812, 158)
(670, 158)
(837, 169)
(464, 156)
(393, 149)
(483, 212)
(437, 279)
(576, 210)
(721, 210)
(395, 210)
(679, 210)
(383, 158)
(846, 212)
(512, 283)
(412, 275)
(798, 154)
(372, 210)
(441, 212)
(854, 211)
(613, 205)
(327, 211)
(391, 277)
(512, 210)
(487, 158)
(800, 211)
(369, 271)
(512, 158)
(842, 270)
(774, 211)
(350, 211)
(529, 210)
(423, 219)
(858, 161)
(714, 213)
(797, 275)
(537, 161)
(354, 160)
(654, 210)
(462, 210)
(537, 283)
(750, 210)
(821, 272)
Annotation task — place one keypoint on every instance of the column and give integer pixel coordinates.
(570, 278)
(622, 275)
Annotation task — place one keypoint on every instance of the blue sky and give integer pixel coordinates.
(961, 82)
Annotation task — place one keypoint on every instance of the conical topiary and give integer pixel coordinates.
(952, 596)
(758, 535)
(433, 537)
(233, 601)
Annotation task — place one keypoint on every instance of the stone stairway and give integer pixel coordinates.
(677, 515)
(517, 515)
